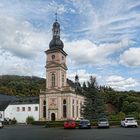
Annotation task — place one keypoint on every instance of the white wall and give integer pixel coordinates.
(20, 115)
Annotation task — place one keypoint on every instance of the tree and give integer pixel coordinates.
(125, 106)
(94, 104)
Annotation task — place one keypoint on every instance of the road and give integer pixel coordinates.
(24, 132)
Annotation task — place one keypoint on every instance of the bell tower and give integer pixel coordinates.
(56, 61)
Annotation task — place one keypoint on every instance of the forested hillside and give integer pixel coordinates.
(21, 85)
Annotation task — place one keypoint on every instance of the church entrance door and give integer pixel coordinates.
(53, 117)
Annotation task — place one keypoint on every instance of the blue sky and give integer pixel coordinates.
(101, 38)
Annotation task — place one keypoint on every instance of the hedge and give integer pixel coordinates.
(48, 124)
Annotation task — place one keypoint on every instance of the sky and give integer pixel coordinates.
(101, 38)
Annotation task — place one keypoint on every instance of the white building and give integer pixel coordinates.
(21, 109)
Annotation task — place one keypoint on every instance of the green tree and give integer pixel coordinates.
(29, 119)
(94, 104)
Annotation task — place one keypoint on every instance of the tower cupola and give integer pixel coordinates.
(56, 43)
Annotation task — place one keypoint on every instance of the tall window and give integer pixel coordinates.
(73, 108)
(53, 80)
(64, 108)
(77, 110)
(62, 79)
(44, 109)
(81, 107)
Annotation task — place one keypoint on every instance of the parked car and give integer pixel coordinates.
(70, 124)
(1, 125)
(129, 122)
(84, 124)
(103, 123)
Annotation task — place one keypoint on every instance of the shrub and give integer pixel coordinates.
(29, 120)
(116, 117)
(13, 121)
(38, 122)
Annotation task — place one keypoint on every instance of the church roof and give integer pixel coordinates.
(4, 97)
(3, 105)
(71, 83)
(5, 100)
(56, 43)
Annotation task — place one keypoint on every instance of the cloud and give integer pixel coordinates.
(20, 39)
(131, 57)
(85, 52)
(109, 20)
(14, 65)
(121, 83)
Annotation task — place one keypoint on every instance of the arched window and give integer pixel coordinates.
(44, 109)
(53, 80)
(62, 79)
(64, 108)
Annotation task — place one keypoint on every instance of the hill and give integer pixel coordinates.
(21, 85)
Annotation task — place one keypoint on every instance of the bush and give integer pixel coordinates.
(38, 122)
(117, 117)
(13, 121)
(136, 115)
(29, 120)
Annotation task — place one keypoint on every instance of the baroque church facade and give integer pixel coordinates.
(59, 101)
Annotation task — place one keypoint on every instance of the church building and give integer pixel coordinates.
(59, 101)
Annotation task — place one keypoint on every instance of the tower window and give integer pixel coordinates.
(53, 56)
(62, 79)
(53, 80)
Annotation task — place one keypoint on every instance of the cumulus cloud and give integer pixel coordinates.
(14, 65)
(121, 83)
(21, 47)
(19, 38)
(85, 52)
(131, 57)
